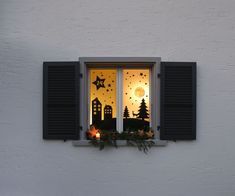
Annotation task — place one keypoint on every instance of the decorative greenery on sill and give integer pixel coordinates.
(102, 138)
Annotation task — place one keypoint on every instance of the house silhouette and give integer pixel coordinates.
(108, 112)
(96, 111)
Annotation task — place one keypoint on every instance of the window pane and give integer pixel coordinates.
(136, 110)
(103, 98)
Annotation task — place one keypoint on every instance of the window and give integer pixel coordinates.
(119, 94)
(111, 89)
(136, 99)
(102, 95)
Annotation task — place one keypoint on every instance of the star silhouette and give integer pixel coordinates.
(99, 83)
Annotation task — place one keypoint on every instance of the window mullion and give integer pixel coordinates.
(119, 101)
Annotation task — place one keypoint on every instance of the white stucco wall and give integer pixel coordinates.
(33, 31)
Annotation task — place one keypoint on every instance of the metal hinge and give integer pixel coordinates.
(81, 75)
(158, 75)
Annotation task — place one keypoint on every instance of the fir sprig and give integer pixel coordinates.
(140, 139)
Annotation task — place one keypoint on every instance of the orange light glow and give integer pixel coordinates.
(136, 87)
(92, 132)
(105, 94)
(97, 135)
(139, 92)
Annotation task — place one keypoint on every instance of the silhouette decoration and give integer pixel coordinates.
(108, 112)
(138, 121)
(99, 83)
(109, 123)
(104, 108)
(126, 112)
(133, 114)
(96, 111)
(143, 112)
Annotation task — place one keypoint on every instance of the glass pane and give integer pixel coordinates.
(136, 111)
(103, 98)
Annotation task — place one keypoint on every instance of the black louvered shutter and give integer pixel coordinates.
(60, 100)
(178, 101)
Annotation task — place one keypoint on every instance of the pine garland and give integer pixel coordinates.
(102, 138)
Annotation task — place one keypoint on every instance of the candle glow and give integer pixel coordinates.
(97, 135)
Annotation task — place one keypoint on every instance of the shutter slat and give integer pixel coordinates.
(178, 101)
(60, 100)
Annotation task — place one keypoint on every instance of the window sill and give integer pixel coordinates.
(119, 143)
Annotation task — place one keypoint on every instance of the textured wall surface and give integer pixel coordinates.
(33, 31)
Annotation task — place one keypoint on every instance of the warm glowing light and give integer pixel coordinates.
(92, 132)
(136, 87)
(97, 135)
(103, 87)
(139, 92)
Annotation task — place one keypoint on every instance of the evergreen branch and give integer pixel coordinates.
(139, 139)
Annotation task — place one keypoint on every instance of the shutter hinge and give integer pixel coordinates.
(158, 75)
(80, 127)
(81, 75)
(158, 127)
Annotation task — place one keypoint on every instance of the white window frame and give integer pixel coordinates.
(154, 87)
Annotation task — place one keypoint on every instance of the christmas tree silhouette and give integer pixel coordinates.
(143, 112)
(126, 112)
